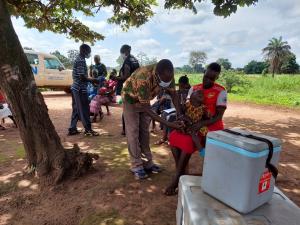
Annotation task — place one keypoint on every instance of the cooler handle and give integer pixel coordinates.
(269, 165)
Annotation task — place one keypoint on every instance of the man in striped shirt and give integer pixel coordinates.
(80, 103)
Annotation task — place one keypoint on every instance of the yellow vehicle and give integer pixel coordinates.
(48, 71)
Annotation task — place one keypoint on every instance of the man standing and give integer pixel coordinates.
(130, 64)
(80, 103)
(99, 67)
(141, 87)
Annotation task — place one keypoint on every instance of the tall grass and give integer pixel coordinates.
(282, 90)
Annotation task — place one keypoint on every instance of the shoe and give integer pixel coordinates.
(140, 174)
(73, 132)
(153, 169)
(91, 133)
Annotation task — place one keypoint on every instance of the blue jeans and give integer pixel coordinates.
(80, 110)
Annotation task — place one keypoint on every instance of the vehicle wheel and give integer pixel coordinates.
(67, 90)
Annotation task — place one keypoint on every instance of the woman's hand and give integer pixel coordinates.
(178, 125)
(196, 127)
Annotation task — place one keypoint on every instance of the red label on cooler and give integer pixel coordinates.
(264, 182)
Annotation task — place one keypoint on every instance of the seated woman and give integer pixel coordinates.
(215, 100)
(170, 114)
(5, 112)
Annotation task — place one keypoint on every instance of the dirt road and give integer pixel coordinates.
(110, 193)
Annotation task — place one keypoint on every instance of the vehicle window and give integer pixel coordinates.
(32, 58)
(52, 63)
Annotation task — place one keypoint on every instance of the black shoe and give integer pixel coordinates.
(73, 132)
(91, 133)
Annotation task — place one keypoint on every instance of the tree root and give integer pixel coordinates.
(75, 164)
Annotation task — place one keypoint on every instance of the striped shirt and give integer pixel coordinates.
(79, 69)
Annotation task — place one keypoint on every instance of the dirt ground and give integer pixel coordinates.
(109, 194)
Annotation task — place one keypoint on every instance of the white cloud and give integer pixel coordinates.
(173, 34)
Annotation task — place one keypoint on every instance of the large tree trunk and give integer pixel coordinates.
(43, 147)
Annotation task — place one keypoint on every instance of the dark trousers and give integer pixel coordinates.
(80, 110)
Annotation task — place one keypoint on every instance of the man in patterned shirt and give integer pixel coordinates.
(80, 103)
(139, 89)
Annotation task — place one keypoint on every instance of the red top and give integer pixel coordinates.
(210, 101)
(2, 98)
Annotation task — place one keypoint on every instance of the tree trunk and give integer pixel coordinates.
(43, 147)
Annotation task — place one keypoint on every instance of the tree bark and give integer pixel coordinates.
(43, 147)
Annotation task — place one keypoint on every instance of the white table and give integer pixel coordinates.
(197, 208)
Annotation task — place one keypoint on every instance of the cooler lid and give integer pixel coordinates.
(243, 142)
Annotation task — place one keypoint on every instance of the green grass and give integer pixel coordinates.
(283, 90)
(20, 152)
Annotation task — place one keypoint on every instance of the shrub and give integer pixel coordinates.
(232, 80)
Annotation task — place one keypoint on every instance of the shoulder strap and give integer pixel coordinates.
(270, 166)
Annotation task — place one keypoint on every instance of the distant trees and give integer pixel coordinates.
(224, 63)
(196, 60)
(72, 54)
(65, 61)
(255, 67)
(144, 60)
(276, 51)
(290, 64)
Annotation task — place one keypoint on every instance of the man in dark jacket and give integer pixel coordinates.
(129, 66)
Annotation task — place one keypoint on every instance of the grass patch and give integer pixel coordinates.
(283, 90)
(20, 152)
(103, 218)
(3, 158)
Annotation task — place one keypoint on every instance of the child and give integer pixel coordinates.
(194, 112)
(95, 105)
(170, 114)
(94, 87)
(111, 85)
(164, 101)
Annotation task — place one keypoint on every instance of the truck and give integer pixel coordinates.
(48, 71)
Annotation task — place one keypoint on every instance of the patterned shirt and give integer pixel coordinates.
(196, 114)
(142, 86)
(79, 69)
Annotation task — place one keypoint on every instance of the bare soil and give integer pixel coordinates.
(109, 194)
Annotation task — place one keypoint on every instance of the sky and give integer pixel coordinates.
(173, 34)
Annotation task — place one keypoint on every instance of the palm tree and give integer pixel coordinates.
(275, 53)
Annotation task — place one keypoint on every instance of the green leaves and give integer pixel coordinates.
(58, 16)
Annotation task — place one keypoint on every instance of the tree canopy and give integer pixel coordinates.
(59, 17)
(290, 64)
(225, 63)
(276, 51)
(255, 67)
(197, 57)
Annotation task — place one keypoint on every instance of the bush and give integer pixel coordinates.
(265, 72)
(232, 80)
